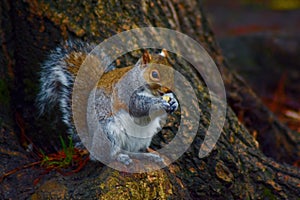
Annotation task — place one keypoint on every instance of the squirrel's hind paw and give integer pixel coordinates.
(156, 158)
(124, 158)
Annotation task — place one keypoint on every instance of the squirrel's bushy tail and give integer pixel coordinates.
(56, 80)
(52, 79)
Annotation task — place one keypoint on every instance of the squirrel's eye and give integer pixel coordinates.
(155, 75)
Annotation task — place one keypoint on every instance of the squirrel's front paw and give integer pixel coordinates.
(170, 103)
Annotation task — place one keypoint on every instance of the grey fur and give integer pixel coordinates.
(145, 109)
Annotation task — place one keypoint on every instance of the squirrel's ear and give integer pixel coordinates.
(146, 57)
(164, 53)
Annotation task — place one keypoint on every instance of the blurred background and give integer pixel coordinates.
(260, 40)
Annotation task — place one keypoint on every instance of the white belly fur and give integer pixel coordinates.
(133, 137)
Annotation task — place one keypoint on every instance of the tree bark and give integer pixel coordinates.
(235, 169)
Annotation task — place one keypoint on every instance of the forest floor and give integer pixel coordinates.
(261, 41)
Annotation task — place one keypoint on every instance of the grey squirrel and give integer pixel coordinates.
(152, 98)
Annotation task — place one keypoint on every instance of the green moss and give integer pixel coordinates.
(1, 122)
(153, 185)
(268, 194)
(70, 16)
(4, 93)
(30, 89)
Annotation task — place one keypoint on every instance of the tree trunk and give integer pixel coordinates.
(235, 169)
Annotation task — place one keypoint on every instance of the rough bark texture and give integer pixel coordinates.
(235, 169)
